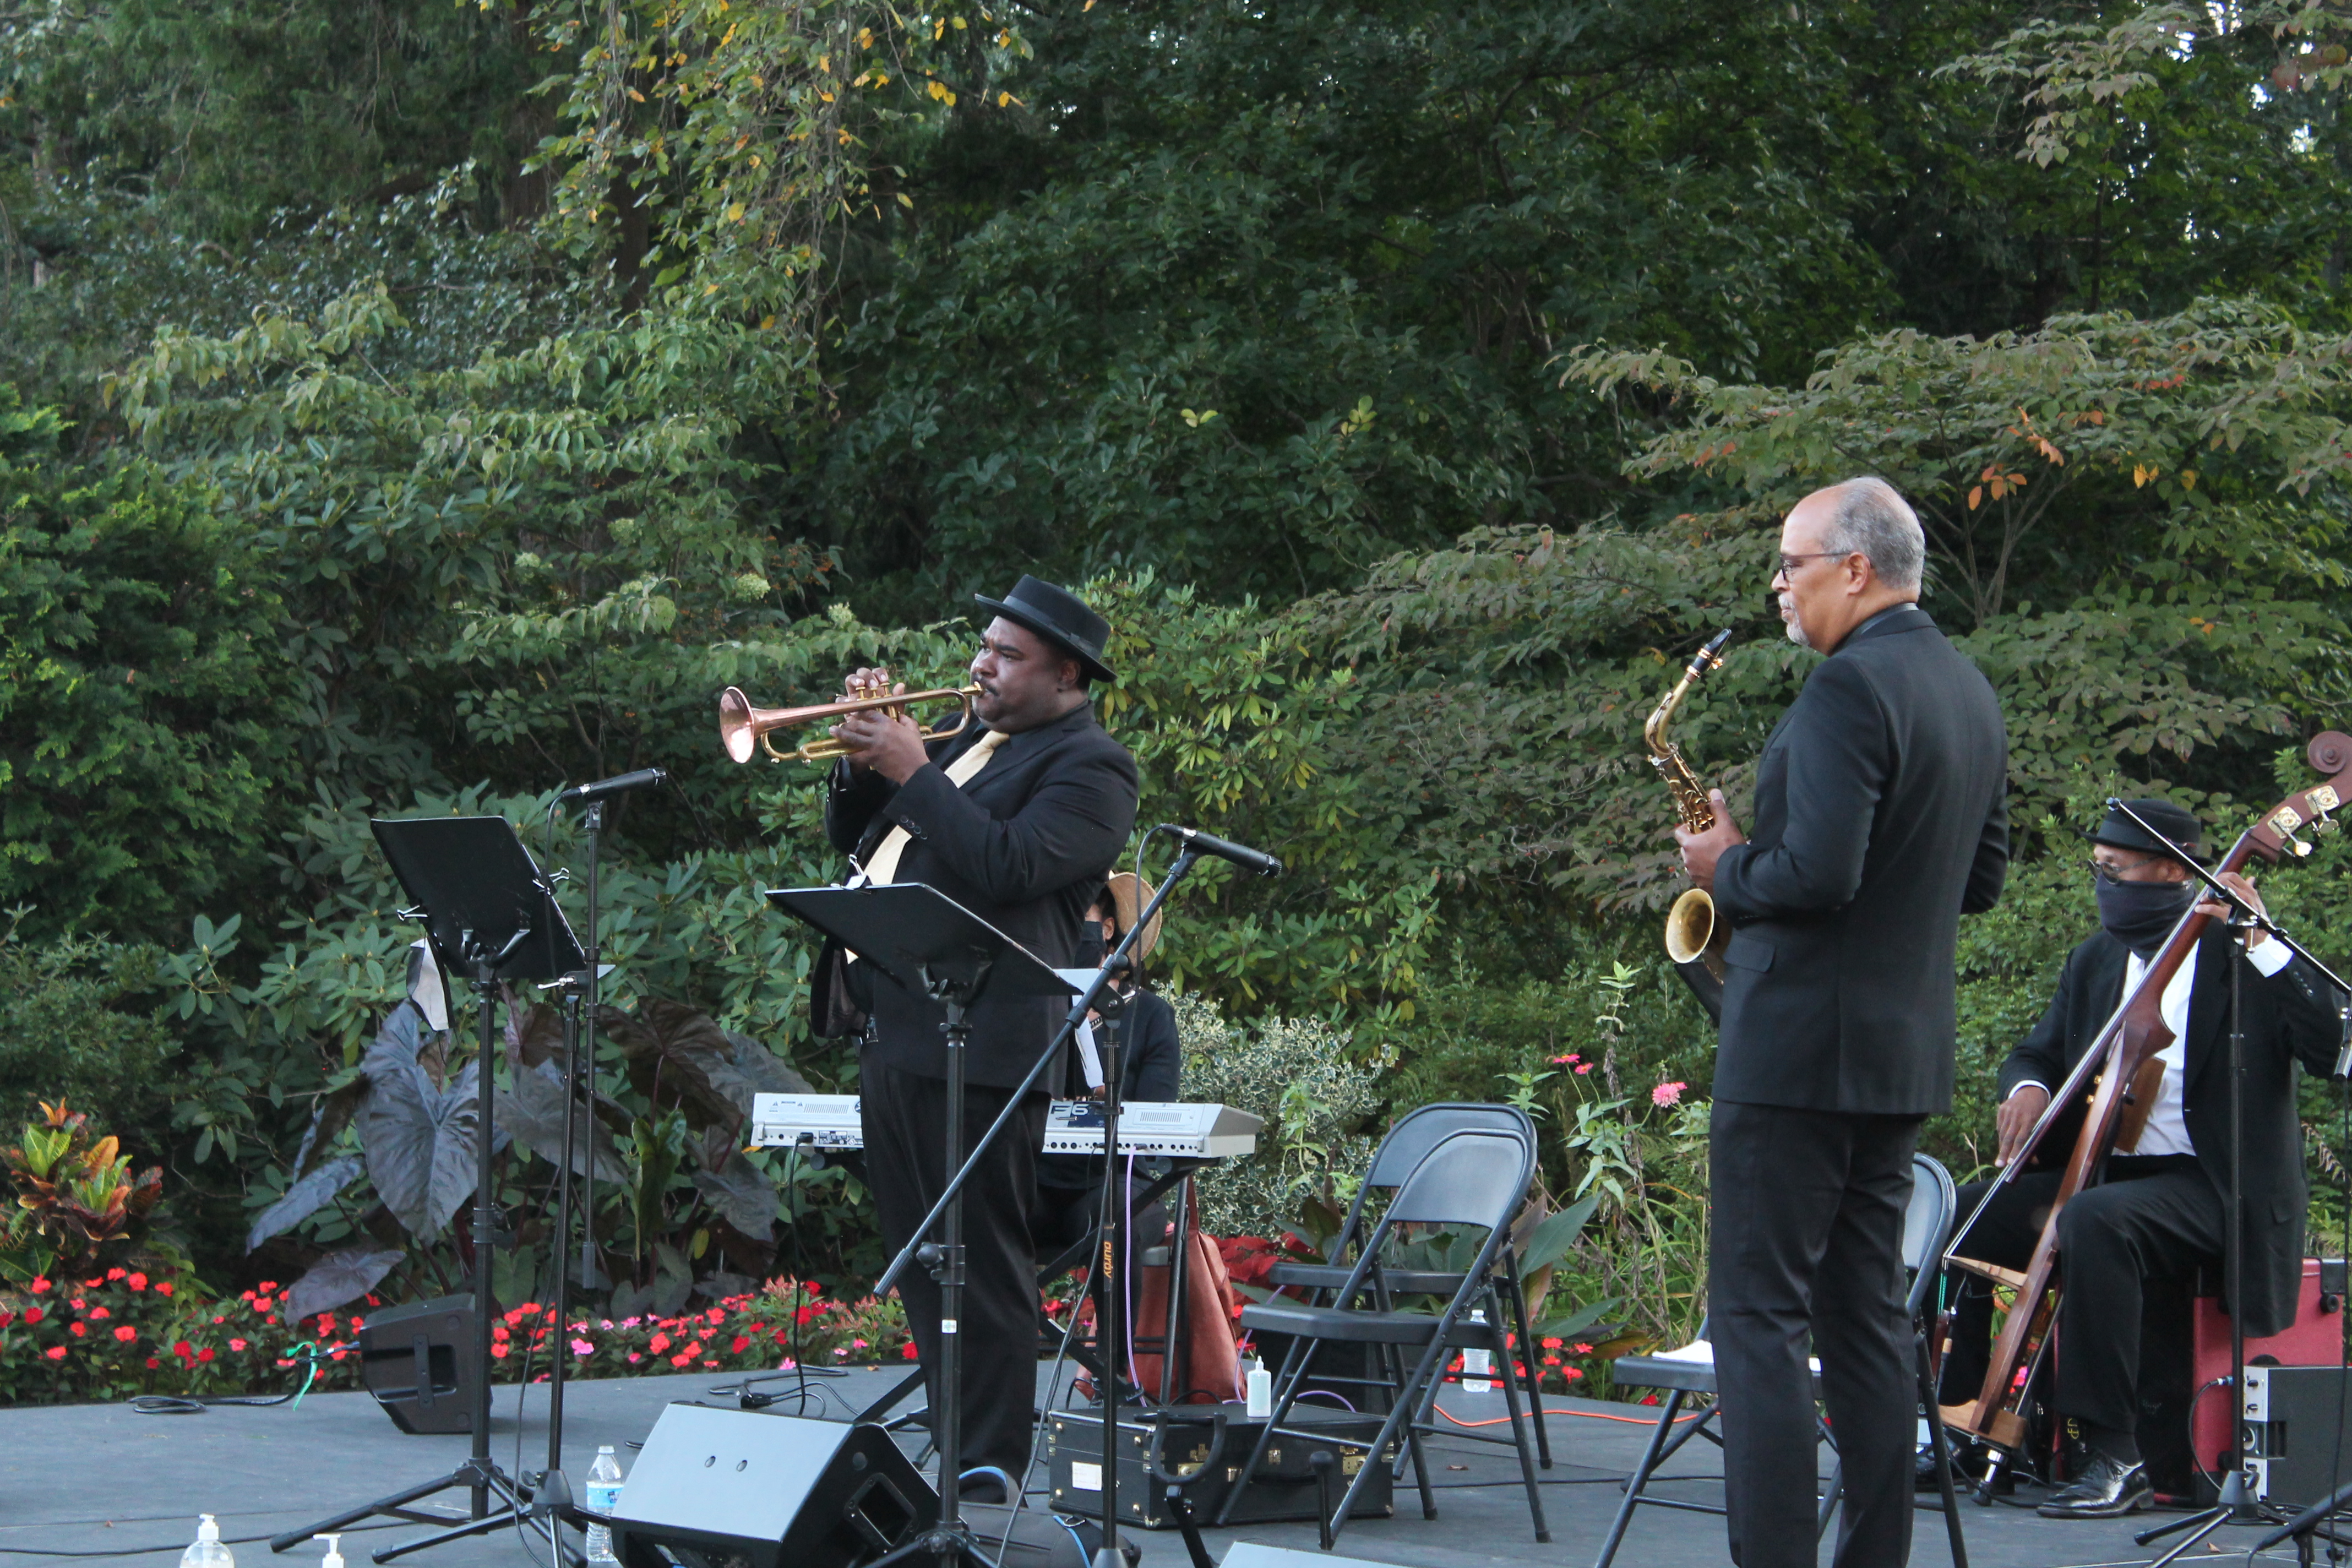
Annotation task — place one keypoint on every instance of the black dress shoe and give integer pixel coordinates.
(2107, 1488)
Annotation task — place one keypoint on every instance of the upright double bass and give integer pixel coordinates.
(2122, 1063)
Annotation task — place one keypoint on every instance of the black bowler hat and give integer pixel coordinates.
(2174, 822)
(1060, 617)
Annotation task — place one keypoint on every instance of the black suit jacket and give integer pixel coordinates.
(1880, 816)
(2287, 1017)
(1025, 844)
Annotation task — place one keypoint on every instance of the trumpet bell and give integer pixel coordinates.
(738, 729)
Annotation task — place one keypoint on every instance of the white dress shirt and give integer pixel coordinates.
(2167, 1131)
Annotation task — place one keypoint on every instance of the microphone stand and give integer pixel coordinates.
(951, 1537)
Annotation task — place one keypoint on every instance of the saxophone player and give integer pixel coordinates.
(1880, 817)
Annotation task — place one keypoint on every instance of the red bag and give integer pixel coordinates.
(1211, 1362)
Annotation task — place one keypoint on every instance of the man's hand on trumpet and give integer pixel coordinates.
(884, 739)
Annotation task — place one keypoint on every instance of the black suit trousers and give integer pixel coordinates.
(905, 1119)
(2151, 1219)
(1807, 1246)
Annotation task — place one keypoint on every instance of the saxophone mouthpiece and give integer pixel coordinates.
(1711, 656)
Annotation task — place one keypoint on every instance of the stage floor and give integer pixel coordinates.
(82, 1482)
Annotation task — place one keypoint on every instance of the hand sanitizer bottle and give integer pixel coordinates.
(209, 1550)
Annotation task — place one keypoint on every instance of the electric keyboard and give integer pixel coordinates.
(1174, 1129)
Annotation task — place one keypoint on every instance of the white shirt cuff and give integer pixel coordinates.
(2026, 1083)
(2270, 957)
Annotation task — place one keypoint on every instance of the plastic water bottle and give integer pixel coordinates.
(604, 1497)
(1260, 1390)
(209, 1550)
(1477, 1361)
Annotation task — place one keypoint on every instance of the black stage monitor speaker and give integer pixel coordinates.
(417, 1361)
(742, 1489)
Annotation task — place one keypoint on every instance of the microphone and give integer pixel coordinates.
(1242, 855)
(619, 784)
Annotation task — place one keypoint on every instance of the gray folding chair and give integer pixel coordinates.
(1688, 1380)
(1408, 1143)
(1477, 1177)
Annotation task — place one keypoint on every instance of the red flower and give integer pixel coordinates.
(1571, 1373)
(79, 1330)
(34, 1315)
(326, 1322)
(152, 1364)
(681, 1358)
(694, 1348)
(499, 1352)
(38, 1286)
(77, 1303)
(659, 1344)
(182, 1349)
(6, 1318)
(96, 1313)
(233, 1344)
(55, 1352)
(138, 1281)
(261, 1303)
(267, 1286)
(1551, 1344)
(126, 1333)
(206, 1353)
(118, 1273)
(907, 1351)
(743, 1342)
(162, 1288)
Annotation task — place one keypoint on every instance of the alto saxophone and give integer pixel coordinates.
(1694, 936)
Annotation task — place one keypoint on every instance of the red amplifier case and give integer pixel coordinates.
(2316, 1338)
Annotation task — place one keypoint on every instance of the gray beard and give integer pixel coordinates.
(1797, 634)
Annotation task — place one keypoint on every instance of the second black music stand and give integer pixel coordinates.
(492, 916)
(929, 945)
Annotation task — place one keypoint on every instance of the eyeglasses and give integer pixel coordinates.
(1789, 563)
(2102, 871)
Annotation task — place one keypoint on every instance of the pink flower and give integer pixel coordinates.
(1583, 1068)
(55, 1352)
(236, 1344)
(1667, 1094)
(582, 1347)
(1569, 1060)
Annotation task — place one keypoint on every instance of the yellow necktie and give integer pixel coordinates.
(884, 863)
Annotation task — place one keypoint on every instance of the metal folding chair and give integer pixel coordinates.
(1477, 1177)
(1407, 1144)
(1686, 1376)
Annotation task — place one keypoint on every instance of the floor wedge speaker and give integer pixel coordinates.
(741, 1488)
(418, 1361)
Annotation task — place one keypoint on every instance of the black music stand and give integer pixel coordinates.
(930, 945)
(490, 915)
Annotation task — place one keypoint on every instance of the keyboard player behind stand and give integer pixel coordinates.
(1069, 1186)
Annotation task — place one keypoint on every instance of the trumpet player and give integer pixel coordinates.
(1018, 818)
(1879, 818)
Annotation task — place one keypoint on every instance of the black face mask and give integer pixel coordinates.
(1089, 954)
(2140, 915)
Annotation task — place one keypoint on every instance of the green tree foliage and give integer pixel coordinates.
(143, 694)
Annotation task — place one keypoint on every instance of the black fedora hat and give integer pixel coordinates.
(1059, 616)
(2174, 822)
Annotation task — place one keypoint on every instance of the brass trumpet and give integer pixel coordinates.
(743, 726)
(1695, 937)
